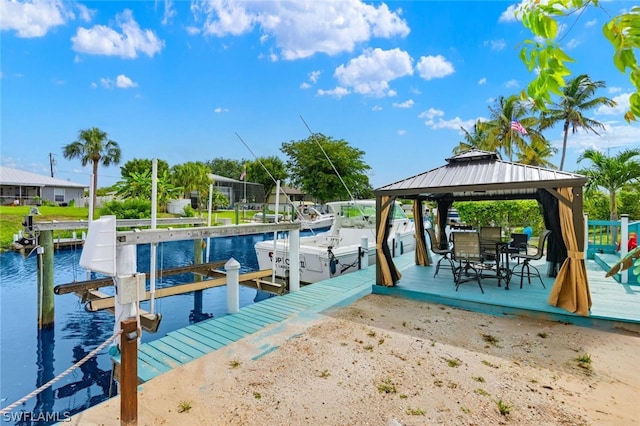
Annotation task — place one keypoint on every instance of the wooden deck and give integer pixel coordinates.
(615, 307)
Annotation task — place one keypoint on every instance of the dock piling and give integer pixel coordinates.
(46, 304)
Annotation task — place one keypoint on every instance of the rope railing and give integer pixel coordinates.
(60, 376)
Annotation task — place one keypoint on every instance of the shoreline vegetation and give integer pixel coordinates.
(11, 218)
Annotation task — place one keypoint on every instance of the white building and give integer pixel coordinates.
(25, 188)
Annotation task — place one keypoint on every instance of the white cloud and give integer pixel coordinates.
(430, 114)
(401, 132)
(305, 85)
(338, 92)
(622, 101)
(434, 67)
(33, 18)
(573, 43)
(121, 82)
(371, 72)
(614, 89)
(482, 81)
(102, 40)
(124, 82)
(405, 104)
(509, 15)
(497, 45)
(314, 76)
(615, 135)
(511, 83)
(453, 124)
(107, 83)
(169, 12)
(305, 27)
(376, 108)
(219, 110)
(590, 23)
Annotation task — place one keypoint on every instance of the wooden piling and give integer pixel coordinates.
(129, 372)
(45, 303)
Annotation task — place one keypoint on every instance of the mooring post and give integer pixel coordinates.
(294, 260)
(197, 260)
(364, 259)
(46, 305)
(129, 372)
(233, 286)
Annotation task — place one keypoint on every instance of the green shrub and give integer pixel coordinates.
(127, 209)
(189, 211)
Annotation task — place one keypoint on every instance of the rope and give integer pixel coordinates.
(59, 377)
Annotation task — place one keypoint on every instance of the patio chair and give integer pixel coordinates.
(489, 236)
(525, 268)
(517, 245)
(468, 254)
(444, 253)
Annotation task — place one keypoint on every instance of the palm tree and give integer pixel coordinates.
(500, 135)
(611, 173)
(538, 154)
(577, 97)
(192, 177)
(476, 139)
(93, 146)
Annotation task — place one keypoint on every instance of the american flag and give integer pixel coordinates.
(515, 125)
(244, 173)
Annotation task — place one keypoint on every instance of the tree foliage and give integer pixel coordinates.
(139, 186)
(93, 147)
(545, 55)
(141, 165)
(191, 176)
(611, 173)
(226, 167)
(267, 170)
(509, 215)
(310, 170)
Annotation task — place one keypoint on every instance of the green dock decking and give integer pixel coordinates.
(615, 307)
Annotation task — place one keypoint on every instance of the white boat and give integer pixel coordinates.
(339, 250)
(310, 217)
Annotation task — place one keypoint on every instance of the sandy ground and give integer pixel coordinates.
(391, 361)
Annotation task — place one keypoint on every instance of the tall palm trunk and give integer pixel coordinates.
(94, 199)
(564, 144)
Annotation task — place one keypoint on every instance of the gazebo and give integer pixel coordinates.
(483, 176)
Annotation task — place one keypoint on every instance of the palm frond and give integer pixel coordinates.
(625, 263)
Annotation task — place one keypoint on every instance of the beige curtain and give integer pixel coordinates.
(383, 255)
(422, 255)
(571, 289)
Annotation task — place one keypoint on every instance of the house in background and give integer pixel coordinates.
(18, 187)
(287, 195)
(238, 190)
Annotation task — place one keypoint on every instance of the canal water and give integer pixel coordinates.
(29, 357)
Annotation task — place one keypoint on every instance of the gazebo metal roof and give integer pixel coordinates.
(480, 175)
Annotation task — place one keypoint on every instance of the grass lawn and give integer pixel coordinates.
(11, 218)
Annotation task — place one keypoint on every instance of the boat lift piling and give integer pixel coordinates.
(46, 304)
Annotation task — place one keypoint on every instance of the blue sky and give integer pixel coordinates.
(177, 80)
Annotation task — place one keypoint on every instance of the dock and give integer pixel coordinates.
(616, 307)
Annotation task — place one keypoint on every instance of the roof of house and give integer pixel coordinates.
(478, 175)
(9, 176)
(221, 179)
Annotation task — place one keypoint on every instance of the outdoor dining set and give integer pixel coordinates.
(475, 254)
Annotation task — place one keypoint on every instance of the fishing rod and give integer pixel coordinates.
(298, 214)
(313, 135)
